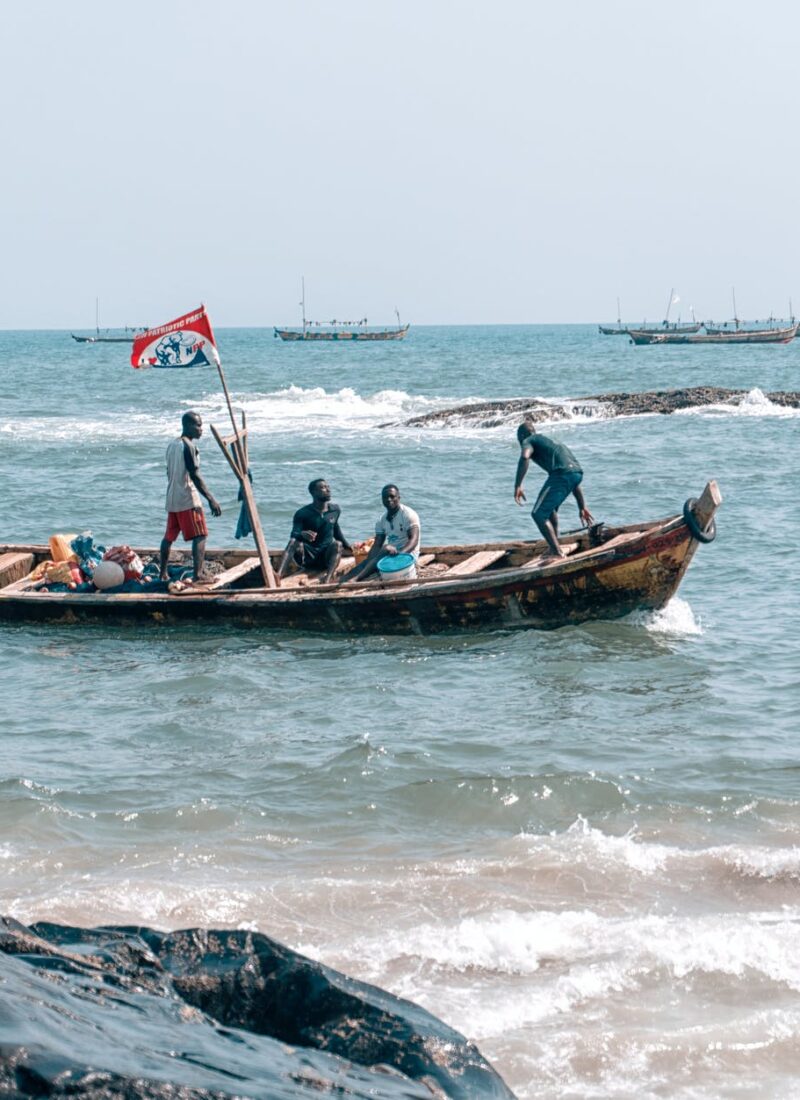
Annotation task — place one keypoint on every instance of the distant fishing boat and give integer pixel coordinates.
(108, 336)
(609, 330)
(742, 336)
(339, 330)
(748, 328)
(665, 326)
(727, 328)
(742, 332)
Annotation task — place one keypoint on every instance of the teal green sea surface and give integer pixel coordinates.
(580, 848)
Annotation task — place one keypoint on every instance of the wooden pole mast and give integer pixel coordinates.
(238, 463)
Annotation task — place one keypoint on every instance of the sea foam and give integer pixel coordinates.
(676, 620)
(754, 403)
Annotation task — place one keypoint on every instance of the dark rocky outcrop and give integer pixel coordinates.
(134, 1013)
(490, 414)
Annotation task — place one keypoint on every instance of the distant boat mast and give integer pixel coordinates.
(669, 305)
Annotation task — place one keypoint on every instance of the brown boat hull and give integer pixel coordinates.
(766, 336)
(636, 568)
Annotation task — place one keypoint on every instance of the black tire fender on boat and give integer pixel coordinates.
(702, 534)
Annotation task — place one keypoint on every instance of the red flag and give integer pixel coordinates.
(186, 342)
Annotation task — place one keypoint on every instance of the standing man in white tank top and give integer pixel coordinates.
(185, 486)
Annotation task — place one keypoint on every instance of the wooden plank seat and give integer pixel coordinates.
(15, 571)
(475, 563)
(222, 580)
(14, 567)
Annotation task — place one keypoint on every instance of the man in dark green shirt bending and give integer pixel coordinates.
(564, 476)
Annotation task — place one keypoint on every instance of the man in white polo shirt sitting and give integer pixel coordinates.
(396, 532)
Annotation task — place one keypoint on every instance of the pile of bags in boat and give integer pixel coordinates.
(78, 564)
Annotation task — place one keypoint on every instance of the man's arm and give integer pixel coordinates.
(203, 489)
(583, 511)
(297, 537)
(337, 534)
(522, 469)
(287, 557)
(200, 485)
(366, 566)
(413, 540)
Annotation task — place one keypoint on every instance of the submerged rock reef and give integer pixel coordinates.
(130, 1013)
(491, 414)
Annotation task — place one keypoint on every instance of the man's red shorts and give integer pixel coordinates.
(191, 524)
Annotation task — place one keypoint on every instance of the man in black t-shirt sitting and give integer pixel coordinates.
(316, 540)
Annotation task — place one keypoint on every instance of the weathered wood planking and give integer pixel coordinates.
(476, 562)
(14, 566)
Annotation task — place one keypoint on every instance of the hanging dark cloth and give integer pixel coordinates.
(244, 527)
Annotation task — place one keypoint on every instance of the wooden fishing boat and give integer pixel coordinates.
(737, 331)
(666, 325)
(339, 330)
(740, 336)
(612, 330)
(108, 336)
(745, 328)
(104, 339)
(663, 329)
(608, 572)
(346, 331)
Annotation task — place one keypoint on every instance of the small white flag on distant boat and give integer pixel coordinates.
(675, 299)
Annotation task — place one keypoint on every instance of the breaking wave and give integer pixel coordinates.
(293, 407)
(676, 620)
(285, 409)
(754, 403)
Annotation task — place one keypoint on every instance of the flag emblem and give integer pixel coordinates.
(187, 341)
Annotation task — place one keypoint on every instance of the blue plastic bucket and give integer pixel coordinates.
(399, 567)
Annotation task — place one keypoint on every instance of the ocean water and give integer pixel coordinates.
(580, 848)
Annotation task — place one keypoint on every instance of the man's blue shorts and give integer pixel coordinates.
(555, 491)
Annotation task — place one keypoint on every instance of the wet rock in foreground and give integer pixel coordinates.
(491, 414)
(133, 1013)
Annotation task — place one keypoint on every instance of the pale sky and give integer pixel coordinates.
(467, 162)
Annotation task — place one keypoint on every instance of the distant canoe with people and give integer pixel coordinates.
(347, 330)
(336, 331)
